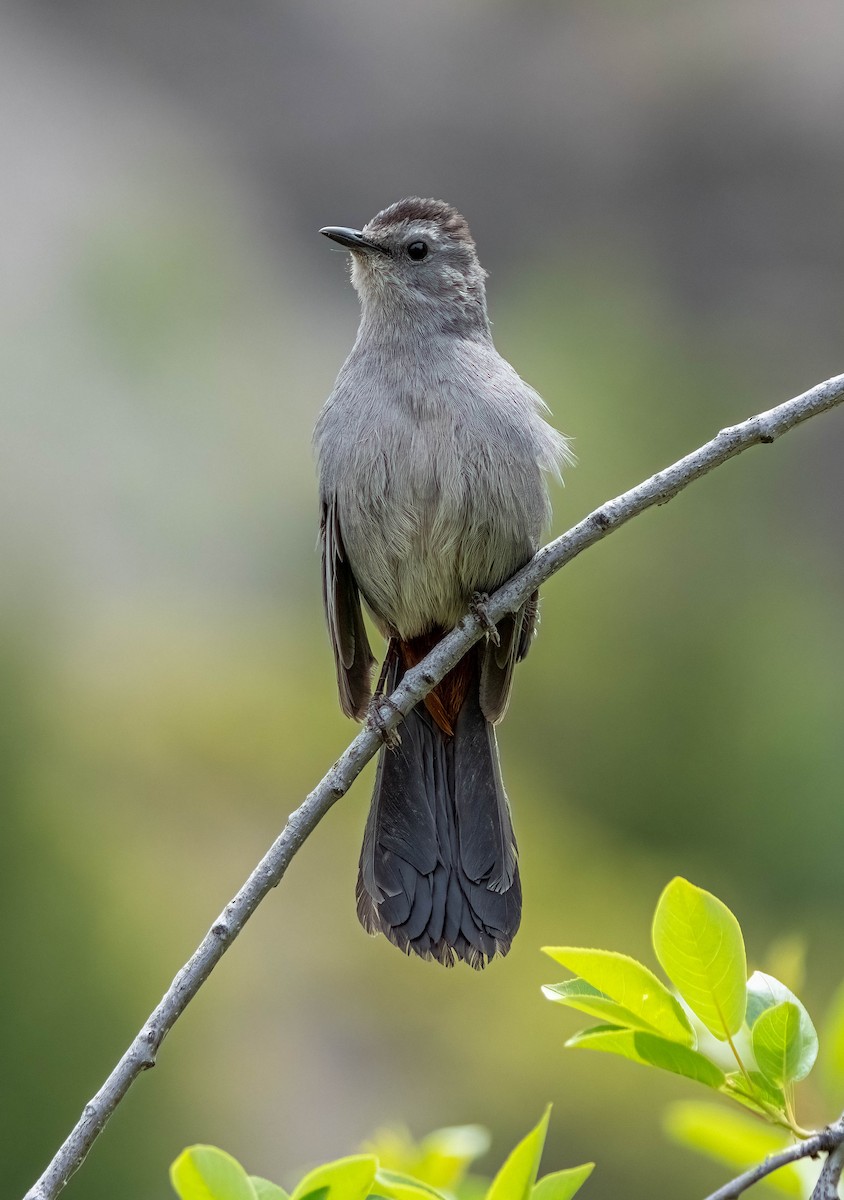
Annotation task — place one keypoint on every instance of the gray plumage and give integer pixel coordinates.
(431, 452)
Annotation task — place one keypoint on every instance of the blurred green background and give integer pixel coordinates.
(656, 190)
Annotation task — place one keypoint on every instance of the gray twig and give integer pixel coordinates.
(828, 1141)
(827, 1186)
(141, 1054)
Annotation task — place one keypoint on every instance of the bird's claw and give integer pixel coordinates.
(478, 609)
(376, 720)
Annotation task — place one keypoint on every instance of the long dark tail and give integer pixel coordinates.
(438, 869)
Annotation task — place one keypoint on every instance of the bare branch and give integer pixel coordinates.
(827, 1186)
(141, 1054)
(830, 1140)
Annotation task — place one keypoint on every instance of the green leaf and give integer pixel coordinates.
(516, 1178)
(580, 995)
(562, 1185)
(471, 1187)
(763, 994)
(764, 991)
(723, 1054)
(463, 1142)
(446, 1154)
(756, 1092)
(345, 1179)
(731, 1138)
(617, 978)
(781, 1053)
(650, 1050)
(699, 944)
(394, 1185)
(441, 1159)
(265, 1190)
(833, 1043)
(206, 1173)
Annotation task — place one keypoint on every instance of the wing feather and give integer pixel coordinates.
(344, 616)
(515, 633)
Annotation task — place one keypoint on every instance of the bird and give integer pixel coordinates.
(433, 457)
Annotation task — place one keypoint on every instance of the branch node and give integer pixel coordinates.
(767, 429)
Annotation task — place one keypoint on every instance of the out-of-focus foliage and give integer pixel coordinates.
(206, 1173)
(738, 1142)
(833, 1030)
(655, 190)
(441, 1159)
(751, 1039)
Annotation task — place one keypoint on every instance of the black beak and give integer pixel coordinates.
(352, 239)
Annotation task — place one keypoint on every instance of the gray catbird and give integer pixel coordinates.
(431, 451)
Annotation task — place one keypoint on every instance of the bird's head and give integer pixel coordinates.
(416, 261)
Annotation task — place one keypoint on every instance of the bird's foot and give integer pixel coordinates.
(389, 658)
(478, 609)
(377, 721)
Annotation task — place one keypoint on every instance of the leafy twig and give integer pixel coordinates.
(141, 1054)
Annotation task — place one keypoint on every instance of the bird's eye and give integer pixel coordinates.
(417, 251)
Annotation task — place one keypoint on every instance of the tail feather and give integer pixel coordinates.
(438, 870)
(487, 843)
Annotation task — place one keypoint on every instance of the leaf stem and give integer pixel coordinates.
(737, 1057)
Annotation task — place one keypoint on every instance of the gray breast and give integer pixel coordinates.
(438, 485)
